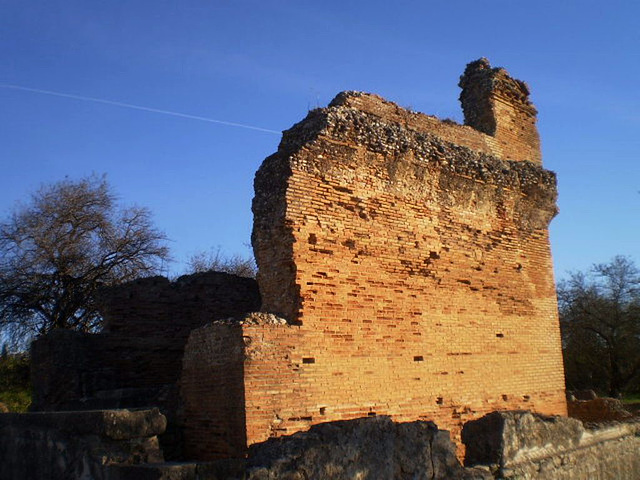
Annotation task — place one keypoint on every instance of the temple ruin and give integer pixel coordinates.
(405, 277)
(408, 262)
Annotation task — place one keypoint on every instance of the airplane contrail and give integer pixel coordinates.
(136, 107)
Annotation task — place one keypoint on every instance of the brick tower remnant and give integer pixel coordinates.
(498, 105)
(409, 261)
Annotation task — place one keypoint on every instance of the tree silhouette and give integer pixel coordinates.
(600, 320)
(60, 248)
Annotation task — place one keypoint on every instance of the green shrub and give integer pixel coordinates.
(15, 388)
(632, 398)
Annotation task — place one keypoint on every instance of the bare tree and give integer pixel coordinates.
(214, 260)
(61, 247)
(600, 319)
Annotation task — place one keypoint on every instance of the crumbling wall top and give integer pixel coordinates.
(155, 306)
(496, 104)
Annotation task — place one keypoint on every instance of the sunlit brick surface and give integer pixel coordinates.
(410, 258)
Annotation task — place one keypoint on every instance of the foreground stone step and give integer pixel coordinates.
(77, 444)
(219, 470)
(367, 448)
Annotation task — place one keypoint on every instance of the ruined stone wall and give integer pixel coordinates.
(137, 361)
(522, 446)
(156, 306)
(79, 371)
(147, 323)
(212, 386)
(410, 258)
(77, 445)
(498, 105)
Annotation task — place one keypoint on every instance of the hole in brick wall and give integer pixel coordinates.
(439, 400)
(526, 398)
(308, 360)
(313, 239)
(342, 189)
(371, 414)
(434, 255)
(505, 397)
(350, 243)
(418, 358)
(300, 419)
(323, 410)
(500, 335)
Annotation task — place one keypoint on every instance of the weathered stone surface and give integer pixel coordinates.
(581, 395)
(220, 470)
(503, 436)
(364, 449)
(521, 445)
(499, 105)
(598, 410)
(77, 445)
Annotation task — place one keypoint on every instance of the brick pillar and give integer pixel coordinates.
(498, 105)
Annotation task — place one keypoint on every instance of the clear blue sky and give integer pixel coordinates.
(265, 63)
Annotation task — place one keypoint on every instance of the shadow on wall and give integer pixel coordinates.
(214, 409)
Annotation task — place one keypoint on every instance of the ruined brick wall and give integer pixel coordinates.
(79, 371)
(212, 386)
(410, 258)
(137, 361)
(498, 105)
(155, 306)
(147, 322)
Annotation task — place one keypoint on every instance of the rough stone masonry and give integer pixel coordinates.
(404, 269)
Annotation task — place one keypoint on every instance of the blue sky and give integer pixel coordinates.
(265, 64)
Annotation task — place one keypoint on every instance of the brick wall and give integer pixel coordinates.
(498, 105)
(156, 306)
(410, 258)
(137, 361)
(147, 323)
(212, 387)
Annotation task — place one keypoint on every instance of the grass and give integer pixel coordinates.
(15, 389)
(16, 400)
(632, 399)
